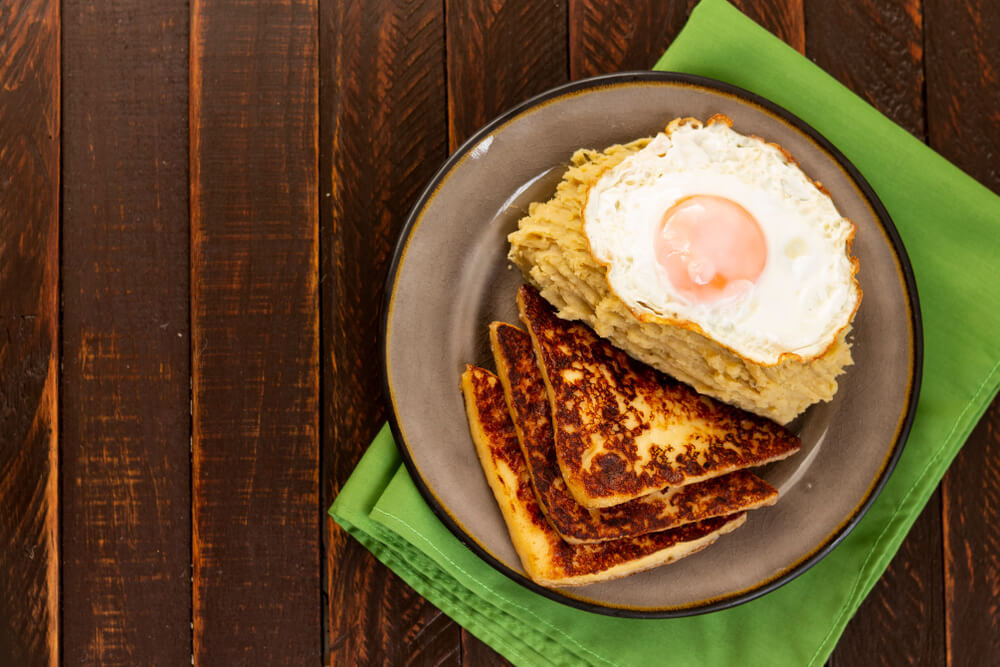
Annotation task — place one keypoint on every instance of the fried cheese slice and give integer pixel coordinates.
(623, 429)
(547, 559)
(528, 404)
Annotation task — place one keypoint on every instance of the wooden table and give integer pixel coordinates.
(198, 202)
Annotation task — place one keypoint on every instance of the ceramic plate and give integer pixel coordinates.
(450, 278)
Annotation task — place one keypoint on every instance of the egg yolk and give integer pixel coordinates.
(711, 248)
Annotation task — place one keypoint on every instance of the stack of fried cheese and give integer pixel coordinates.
(603, 467)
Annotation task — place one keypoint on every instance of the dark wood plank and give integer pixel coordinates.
(963, 85)
(477, 654)
(255, 332)
(126, 472)
(901, 622)
(963, 96)
(875, 48)
(500, 54)
(383, 134)
(611, 37)
(29, 321)
(784, 18)
(382, 621)
(607, 37)
(971, 510)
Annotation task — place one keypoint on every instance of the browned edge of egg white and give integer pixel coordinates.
(693, 326)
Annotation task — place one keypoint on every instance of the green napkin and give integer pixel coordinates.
(949, 224)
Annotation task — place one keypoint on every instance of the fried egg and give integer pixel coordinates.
(724, 234)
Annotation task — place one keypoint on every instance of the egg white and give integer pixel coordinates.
(806, 293)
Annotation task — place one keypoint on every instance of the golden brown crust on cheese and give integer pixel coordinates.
(524, 390)
(623, 429)
(547, 559)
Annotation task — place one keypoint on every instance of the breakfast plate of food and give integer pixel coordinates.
(651, 344)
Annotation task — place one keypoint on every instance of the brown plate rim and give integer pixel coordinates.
(881, 215)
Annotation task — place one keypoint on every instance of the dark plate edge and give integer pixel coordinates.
(740, 597)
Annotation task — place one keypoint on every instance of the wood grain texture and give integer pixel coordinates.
(477, 654)
(29, 320)
(963, 114)
(383, 134)
(255, 332)
(875, 48)
(606, 37)
(500, 53)
(382, 621)
(971, 510)
(784, 18)
(963, 85)
(901, 622)
(126, 471)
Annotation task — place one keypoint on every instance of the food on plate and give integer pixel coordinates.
(531, 415)
(547, 559)
(623, 430)
(707, 254)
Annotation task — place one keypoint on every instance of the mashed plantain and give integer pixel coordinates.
(553, 253)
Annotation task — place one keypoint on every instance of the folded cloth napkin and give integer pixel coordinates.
(949, 224)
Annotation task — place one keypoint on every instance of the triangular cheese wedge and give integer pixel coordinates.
(546, 558)
(622, 429)
(528, 403)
